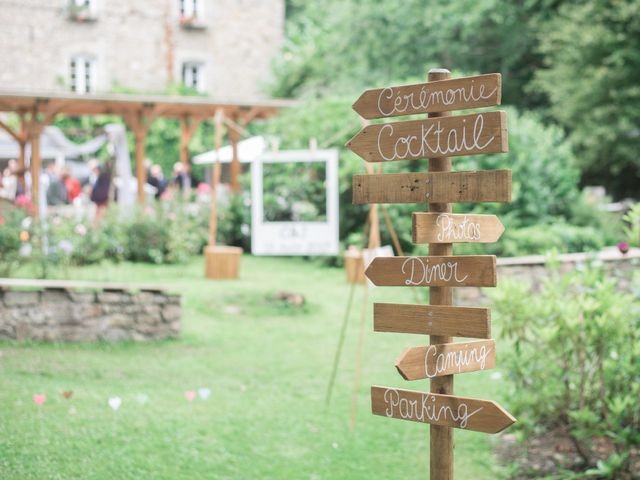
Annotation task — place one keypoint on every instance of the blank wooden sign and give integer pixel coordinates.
(443, 95)
(443, 320)
(433, 271)
(436, 187)
(446, 359)
(454, 228)
(434, 137)
(447, 410)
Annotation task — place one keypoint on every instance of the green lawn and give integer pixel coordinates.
(267, 370)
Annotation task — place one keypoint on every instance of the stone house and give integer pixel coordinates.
(222, 48)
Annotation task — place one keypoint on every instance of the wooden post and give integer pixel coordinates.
(140, 135)
(441, 438)
(220, 262)
(35, 166)
(215, 181)
(188, 126)
(139, 122)
(234, 137)
(22, 142)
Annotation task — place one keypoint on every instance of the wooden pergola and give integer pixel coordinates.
(36, 111)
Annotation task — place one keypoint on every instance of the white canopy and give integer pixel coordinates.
(248, 151)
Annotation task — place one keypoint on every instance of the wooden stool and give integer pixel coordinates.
(354, 266)
(222, 262)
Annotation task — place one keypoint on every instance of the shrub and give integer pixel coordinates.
(574, 363)
(146, 240)
(10, 243)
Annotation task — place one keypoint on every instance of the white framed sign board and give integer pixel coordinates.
(295, 237)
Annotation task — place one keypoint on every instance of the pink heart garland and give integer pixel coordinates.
(39, 398)
(190, 395)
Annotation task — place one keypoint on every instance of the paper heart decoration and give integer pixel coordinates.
(67, 394)
(39, 398)
(115, 402)
(190, 395)
(142, 398)
(204, 393)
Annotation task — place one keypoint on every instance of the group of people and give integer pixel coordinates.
(61, 187)
(10, 186)
(182, 179)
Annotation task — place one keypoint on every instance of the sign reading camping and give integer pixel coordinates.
(437, 138)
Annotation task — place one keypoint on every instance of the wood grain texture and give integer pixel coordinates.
(471, 322)
(443, 95)
(443, 187)
(432, 361)
(455, 228)
(445, 410)
(477, 133)
(433, 271)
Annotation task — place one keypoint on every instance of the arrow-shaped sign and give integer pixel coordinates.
(436, 187)
(446, 359)
(446, 410)
(452, 228)
(433, 271)
(434, 137)
(444, 320)
(443, 95)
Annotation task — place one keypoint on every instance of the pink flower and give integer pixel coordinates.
(623, 247)
(81, 230)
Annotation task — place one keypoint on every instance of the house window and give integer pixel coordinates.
(82, 74)
(193, 76)
(82, 10)
(190, 9)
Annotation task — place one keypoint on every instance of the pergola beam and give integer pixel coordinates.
(138, 112)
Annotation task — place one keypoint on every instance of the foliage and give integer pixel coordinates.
(340, 45)
(544, 173)
(592, 60)
(544, 177)
(539, 239)
(234, 221)
(575, 361)
(10, 228)
(576, 62)
(632, 225)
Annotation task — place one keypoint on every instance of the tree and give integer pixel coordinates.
(592, 55)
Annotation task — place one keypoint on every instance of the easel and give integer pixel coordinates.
(371, 240)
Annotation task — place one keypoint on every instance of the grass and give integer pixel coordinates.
(267, 368)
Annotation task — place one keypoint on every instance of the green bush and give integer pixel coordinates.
(10, 243)
(146, 240)
(575, 361)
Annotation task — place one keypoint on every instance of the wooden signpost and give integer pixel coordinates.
(441, 187)
(433, 271)
(437, 360)
(451, 228)
(437, 138)
(443, 95)
(444, 410)
(446, 320)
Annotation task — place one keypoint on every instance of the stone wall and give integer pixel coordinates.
(141, 45)
(532, 270)
(57, 314)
